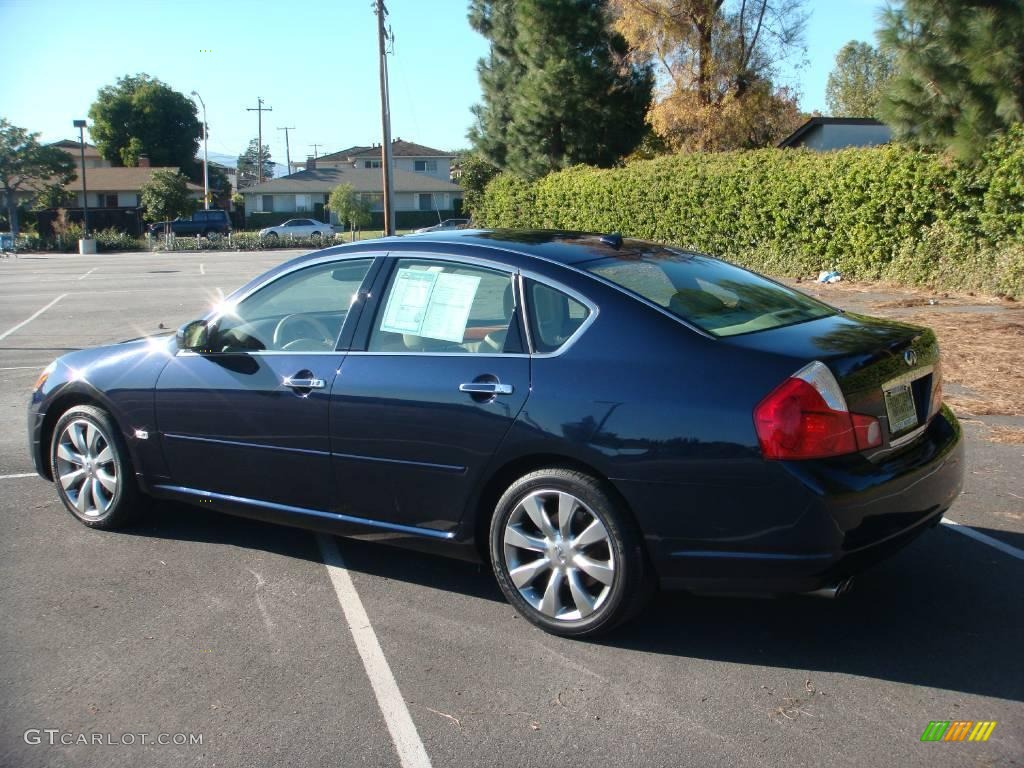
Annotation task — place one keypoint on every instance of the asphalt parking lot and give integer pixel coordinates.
(194, 623)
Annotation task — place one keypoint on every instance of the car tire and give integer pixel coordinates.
(92, 469)
(561, 580)
(271, 237)
(316, 236)
(212, 235)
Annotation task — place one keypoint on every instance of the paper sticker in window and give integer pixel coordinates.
(408, 301)
(434, 305)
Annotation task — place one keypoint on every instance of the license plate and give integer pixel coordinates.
(899, 405)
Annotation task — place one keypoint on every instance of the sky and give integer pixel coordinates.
(313, 63)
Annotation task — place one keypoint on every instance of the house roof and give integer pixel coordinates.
(402, 148)
(361, 179)
(796, 136)
(74, 148)
(344, 154)
(118, 180)
(399, 148)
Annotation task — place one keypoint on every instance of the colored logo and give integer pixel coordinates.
(958, 730)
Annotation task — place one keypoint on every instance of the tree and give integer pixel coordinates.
(859, 80)
(166, 196)
(139, 115)
(960, 71)
(559, 87)
(716, 62)
(349, 207)
(28, 166)
(475, 173)
(248, 170)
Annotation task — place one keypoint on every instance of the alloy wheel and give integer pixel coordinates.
(558, 555)
(86, 468)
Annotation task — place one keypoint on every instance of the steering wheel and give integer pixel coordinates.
(321, 333)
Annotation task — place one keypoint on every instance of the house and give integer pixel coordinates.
(113, 193)
(824, 133)
(307, 191)
(116, 187)
(406, 156)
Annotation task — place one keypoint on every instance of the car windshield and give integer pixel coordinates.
(717, 297)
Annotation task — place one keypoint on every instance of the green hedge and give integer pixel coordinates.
(890, 212)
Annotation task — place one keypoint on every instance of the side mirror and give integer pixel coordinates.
(193, 336)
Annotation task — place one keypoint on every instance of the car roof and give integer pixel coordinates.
(561, 247)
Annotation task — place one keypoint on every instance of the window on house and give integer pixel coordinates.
(302, 203)
(425, 166)
(108, 201)
(373, 199)
(371, 163)
(426, 201)
(268, 203)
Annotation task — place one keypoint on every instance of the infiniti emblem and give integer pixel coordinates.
(910, 357)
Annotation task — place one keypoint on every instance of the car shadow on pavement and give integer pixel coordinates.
(943, 613)
(173, 520)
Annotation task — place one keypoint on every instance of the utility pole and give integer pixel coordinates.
(315, 147)
(206, 158)
(385, 119)
(287, 147)
(259, 110)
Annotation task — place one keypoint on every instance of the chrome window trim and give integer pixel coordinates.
(593, 276)
(516, 276)
(259, 352)
(304, 265)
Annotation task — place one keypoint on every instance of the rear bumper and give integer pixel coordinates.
(823, 520)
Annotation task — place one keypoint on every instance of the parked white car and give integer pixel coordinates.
(298, 228)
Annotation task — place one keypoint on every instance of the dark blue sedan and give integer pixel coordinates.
(596, 416)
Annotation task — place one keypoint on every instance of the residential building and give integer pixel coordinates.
(824, 133)
(406, 156)
(307, 191)
(116, 187)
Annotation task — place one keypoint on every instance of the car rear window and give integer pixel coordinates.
(715, 296)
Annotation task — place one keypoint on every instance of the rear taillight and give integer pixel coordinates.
(806, 417)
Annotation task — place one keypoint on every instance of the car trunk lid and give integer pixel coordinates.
(885, 368)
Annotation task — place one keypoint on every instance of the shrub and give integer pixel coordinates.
(891, 211)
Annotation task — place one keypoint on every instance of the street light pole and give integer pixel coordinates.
(206, 158)
(80, 125)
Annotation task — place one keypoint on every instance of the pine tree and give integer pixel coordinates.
(558, 86)
(960, 71)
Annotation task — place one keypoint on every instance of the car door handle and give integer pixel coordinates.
(486, 388)
(305, 383)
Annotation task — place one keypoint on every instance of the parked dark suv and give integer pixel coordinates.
(212, 223)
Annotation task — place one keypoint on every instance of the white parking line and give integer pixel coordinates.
(1002, 546)
(88, 273)
(202, 269)
(411, 752)
(21, 368)
(14, 477)
(23, 323)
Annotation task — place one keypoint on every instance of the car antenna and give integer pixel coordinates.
(614, 240)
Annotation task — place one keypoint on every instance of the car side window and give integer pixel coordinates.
(553, 315)
(435, 306)
(302, 311)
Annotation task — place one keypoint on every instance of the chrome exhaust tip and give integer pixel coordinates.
(832, 591)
